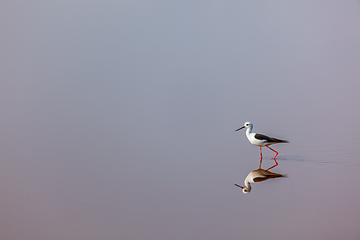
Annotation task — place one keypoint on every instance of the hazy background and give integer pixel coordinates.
(118, 118)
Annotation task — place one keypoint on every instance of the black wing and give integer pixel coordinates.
(269, 139)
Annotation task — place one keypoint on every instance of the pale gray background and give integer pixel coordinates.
(118, 118)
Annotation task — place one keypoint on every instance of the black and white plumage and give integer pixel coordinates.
(260, 140)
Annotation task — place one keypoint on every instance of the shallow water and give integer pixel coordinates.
(118, 120)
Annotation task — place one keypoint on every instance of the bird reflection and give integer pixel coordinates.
(258, 175)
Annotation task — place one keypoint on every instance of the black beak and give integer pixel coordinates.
(239, 128)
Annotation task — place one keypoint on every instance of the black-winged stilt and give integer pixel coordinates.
(261, 140)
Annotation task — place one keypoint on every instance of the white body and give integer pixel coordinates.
(251, 136)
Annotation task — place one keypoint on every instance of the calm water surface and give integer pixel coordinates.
(118, 120)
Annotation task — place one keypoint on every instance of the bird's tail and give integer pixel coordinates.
(275, 140)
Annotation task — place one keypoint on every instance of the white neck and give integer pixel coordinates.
(248, 131)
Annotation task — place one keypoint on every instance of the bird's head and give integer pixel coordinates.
(247, 125)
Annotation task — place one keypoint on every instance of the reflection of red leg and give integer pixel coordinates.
(260, 158)
(274, 157)
(272, 166)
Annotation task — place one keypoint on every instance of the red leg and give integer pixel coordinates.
(260, 158)
(276, 153)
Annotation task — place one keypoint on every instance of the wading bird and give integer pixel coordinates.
(261, 140)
